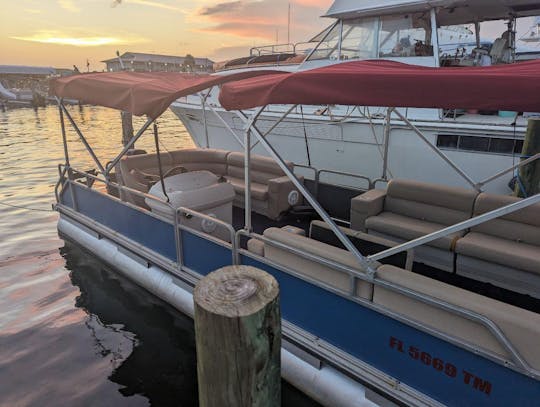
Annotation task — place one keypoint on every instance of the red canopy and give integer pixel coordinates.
(514, 87)
(149, 93)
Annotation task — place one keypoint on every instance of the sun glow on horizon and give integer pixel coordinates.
(91, 41)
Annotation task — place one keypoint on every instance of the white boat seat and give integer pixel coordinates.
(520, 326)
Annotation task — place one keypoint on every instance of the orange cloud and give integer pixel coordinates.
(263, 18)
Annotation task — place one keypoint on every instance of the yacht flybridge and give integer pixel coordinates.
(426, 294)
(353, 139)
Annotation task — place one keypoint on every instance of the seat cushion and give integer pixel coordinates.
(258, 191)
(407, 228)
(522, 225)
(498, 250)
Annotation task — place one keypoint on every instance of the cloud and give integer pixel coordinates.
(222, 8)
(262, 19)
(53, 37)
(147, 3)
(32, 11)
(69, 6)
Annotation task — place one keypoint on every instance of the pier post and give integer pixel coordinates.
(238, 337)
(529, 174)
(127, 127)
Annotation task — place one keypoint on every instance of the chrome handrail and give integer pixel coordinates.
(347, 174)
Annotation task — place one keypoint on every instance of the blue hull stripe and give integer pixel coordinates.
(437, 368)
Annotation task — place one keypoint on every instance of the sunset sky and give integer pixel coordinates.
(61, 33)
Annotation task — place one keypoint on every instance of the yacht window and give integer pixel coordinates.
(328, 46)
(473, 143)
(405, 36)
(358, 39)
(447, 141)
(518, 148)
(496, 145)
(501, 145)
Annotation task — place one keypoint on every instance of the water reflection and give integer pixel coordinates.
(72, 332)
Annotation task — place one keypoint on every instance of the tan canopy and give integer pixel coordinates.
(141, 93)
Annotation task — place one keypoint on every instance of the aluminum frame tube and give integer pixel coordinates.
(83, 139)
(145, 126)
(462, 173)
(386, 141)
(458, 227)
(363, 261)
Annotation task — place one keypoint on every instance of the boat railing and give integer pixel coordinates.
(517, 363)
(285, 48)
(178, 212)
(346, 174)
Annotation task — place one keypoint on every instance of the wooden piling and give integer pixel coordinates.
(238, 336)
(529, 174)
(127, 127)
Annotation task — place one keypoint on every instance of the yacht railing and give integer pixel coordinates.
(285, 48)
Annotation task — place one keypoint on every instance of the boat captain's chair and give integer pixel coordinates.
(410, 209)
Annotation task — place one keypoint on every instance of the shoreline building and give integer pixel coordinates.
(141, 62)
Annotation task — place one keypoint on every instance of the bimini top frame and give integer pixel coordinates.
(367, 264)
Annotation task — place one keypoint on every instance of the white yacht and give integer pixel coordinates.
(337, 140)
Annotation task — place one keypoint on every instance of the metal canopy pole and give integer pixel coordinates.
(364, 262)
(506, 171)
(434, 36)
(63, 127)
(283, 116)
(203, 105)
(111, 165)
(458, 227)
(88, 148)
(247, 173)
(439, 153)
(216, 113)
(247, 180)
(386, 141)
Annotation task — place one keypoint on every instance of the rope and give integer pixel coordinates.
(26, 207)
(305, 135)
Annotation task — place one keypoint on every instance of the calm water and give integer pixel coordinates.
(73, 332)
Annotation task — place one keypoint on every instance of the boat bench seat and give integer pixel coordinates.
(503, 251)
(520, 326)
(409, 209)
(270, 188)
(326, 274)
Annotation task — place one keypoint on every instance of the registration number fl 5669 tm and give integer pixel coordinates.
(443, 367)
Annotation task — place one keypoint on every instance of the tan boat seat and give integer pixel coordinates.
(503, 251)
(520, 326)
(320, 272)
(410, 209)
